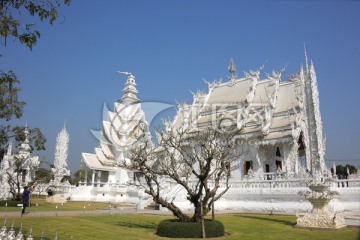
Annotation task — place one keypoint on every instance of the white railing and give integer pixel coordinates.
(345, 183)
(268, 180)
(277, 183)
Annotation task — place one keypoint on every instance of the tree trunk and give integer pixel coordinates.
(198, 213)
(213, 211)
(203, 234)
(175, 210)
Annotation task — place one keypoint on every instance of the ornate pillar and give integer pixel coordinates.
(86, 176)
(93, 178)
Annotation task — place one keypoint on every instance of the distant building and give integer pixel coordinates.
(7, 167)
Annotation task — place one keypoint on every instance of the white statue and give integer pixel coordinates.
(61, 152)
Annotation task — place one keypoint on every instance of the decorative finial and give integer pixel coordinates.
(128, 74)
(306, 58)
(232, 69)
(130, 91)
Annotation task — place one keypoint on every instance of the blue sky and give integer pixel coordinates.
(170, 47)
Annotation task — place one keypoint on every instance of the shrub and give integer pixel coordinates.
(10, 203)
(176, 229)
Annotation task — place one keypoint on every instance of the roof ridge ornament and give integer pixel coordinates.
(130, 91)
(232, 70)
(130, 76)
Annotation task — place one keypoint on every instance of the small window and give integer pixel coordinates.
(278, 165)
(247, 166)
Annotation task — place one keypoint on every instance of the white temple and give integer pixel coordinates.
(281, 133)
(7, 167)
(118, 134)
(272, 117)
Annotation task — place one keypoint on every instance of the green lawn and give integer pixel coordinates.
(139, 226)
(38, 204)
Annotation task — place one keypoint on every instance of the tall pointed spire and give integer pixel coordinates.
(313, 118)
(25, 146)
(306, 59)
(129, 91)
(9, 150)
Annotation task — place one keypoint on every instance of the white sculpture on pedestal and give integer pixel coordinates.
(60, 169)
(320, 195)
(61, 153)
(320, 216)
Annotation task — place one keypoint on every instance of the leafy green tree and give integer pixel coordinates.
(13, 26)
(43, 175)
(12, 11)
(42, 178)
(342, 170)
(79, 176)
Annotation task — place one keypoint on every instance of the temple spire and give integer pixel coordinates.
(129, 91)
(25, 146)
(9, 150)
(306, 59)
(314, 123)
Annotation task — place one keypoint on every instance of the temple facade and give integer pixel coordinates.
(280, 134)
(271, 115)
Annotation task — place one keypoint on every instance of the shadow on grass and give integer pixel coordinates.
(146, 225)
(289, 223)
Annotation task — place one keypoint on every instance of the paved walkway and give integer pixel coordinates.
(352, 218)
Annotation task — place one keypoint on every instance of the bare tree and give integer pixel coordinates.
(199, 160)
(14, 178)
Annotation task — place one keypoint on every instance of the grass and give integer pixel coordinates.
(141, 226)
(38, 204)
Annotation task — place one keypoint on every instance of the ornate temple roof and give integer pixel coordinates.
(262, 109)
(119, 129)
(92, 162)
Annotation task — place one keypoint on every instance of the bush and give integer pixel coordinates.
(177, 229)
(10, 203)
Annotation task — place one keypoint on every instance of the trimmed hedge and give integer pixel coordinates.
(176, 229)
(10, 203)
